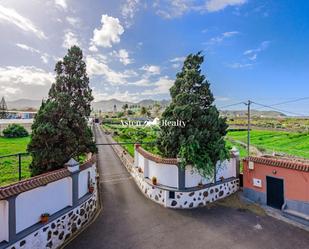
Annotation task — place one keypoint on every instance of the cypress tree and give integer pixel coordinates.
(201, 142)
(60, 129)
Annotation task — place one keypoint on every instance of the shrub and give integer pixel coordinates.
(15, 130)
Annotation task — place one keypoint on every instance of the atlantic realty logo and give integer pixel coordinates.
(156, 121)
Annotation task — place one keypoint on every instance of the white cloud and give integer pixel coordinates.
(216, 5)
(70, 39)
(129, 8)
(108, 34)
(13, 17)
(253, 53)
(43, 56)
(222, 37)
(123, 96)
(151, 69)
(178, 59)
(162, 86)
(61, 3)
(97, 66)
(238, 65)
(26, 47)
(123, 56)
(73, 20)
(169, 9)
(24, 82)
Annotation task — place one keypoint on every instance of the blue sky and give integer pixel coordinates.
(133, 48)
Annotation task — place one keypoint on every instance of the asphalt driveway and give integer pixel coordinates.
(129, 220)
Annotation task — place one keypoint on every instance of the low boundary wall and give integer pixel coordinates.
(64, 194)
(173, 197)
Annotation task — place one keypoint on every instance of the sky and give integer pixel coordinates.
(254, 49)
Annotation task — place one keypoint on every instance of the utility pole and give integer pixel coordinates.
(249, 126)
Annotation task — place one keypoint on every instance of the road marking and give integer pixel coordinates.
(116, 180)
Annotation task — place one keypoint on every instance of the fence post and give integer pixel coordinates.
(19, 166)
(73, 167)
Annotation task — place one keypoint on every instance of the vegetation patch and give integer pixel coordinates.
(9, 165)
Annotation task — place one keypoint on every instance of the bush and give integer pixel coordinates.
(15, 130)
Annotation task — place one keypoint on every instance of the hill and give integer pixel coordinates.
(103, 105)
(254, 113)
(108, 105)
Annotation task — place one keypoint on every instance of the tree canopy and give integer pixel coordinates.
(200, 142)
(60, 129)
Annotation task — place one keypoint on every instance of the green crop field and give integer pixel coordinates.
(289, 143)
(9, 165)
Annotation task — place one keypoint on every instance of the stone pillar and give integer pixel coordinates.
(181, 178)
(146, 167)
(12, 218)
(73, 167)
(236, 155)
(136, 155)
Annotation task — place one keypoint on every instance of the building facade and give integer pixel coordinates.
(280, 183)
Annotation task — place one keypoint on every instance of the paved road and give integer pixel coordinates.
(129, 220)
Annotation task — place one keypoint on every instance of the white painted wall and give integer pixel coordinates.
(226, 169)
(4, 220)
(167, 174)
(83, 180)
(193, 178)
(46, 199)
(140, 161)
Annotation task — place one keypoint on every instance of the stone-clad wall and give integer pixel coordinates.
(203, 196)
(185, 199)
(182, 199)
(61, 229)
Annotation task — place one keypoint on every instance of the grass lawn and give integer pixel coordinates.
(9, 165)
(291, 143)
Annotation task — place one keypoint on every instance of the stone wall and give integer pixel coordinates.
(175, 198)
(61, 229)
(61, 194)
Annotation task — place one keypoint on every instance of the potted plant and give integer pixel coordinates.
(140, 170)
(221, 178)
(91, 188)
(44, 218)
(154, 180)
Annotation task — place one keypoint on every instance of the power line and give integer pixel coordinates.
(289, 101)
(280, 110)
(225, 106)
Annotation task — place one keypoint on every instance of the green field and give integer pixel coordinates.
(9, 165)
(133, 134)
(289, 143)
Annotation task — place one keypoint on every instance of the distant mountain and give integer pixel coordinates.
(104, 105)
(23, 104)
(254, 113)
(108, 105)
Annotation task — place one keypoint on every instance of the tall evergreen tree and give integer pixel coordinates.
(201, 142)
(60, 129)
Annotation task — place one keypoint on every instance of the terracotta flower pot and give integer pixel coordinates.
(91, 189)
(44, 219)
(154, 180)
